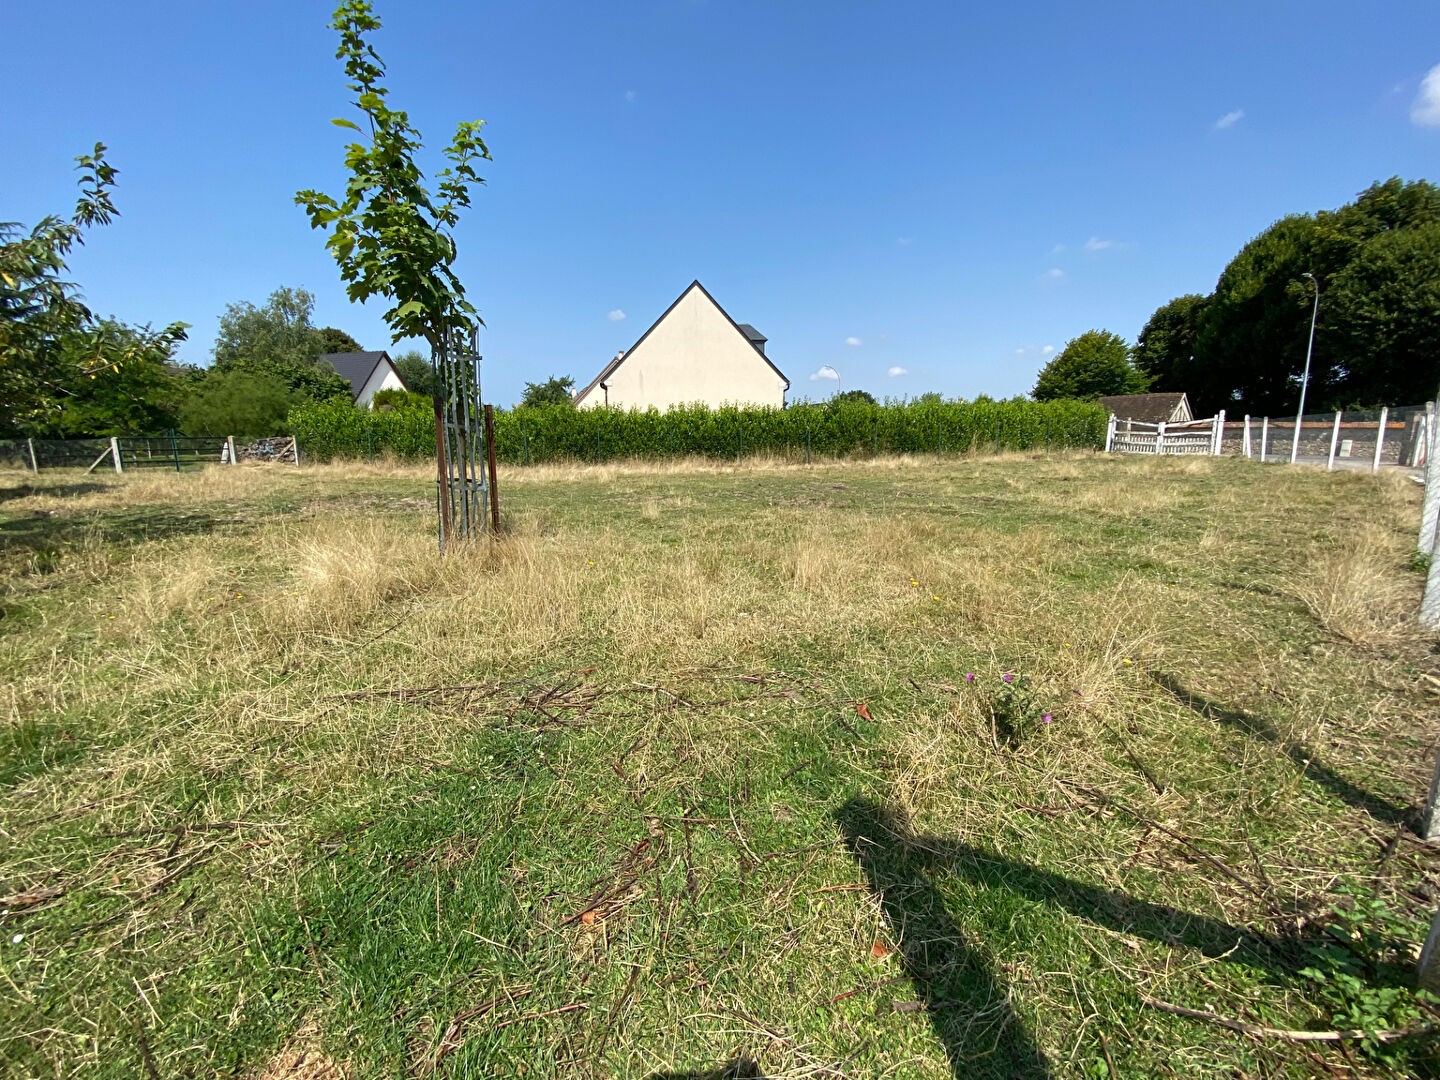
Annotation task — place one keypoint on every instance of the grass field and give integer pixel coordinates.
(688, 773)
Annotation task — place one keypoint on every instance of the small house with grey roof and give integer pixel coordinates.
(695, 353)
(367, 373)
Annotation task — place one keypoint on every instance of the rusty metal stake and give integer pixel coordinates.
(490, 459)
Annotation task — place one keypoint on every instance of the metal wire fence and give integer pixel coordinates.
(172, 452)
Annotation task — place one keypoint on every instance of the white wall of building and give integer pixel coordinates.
(694, 354)
(382, 378)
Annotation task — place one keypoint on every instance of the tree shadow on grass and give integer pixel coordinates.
(1303, 759)
(24, 491)
(47, 535)
(967, 1003)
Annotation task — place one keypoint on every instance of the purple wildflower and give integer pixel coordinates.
(969, 676)
(1045, 719)
(1008, 677)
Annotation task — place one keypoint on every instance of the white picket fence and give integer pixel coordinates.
(1176, 437)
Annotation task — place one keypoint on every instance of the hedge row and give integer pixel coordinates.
(842, 429)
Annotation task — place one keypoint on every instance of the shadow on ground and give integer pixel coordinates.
(46, 535)
(1352, 795)
(967, 1002)
(739, 1069)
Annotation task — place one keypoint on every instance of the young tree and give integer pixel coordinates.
(553, 391)
(392, 238)
(50, 343)
(863, 397)
(1095, 364)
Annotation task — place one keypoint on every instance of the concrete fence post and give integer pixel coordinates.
(230, 449)
(1425, 544)
(1217, 435)
(1334, 441)
(1109, 433)
(115, 454)
(1428, 975)
(1245, 447)
(1264, 437)
(30, 446)
(1430, 826)
(1380, 438)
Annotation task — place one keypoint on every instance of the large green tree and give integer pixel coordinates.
(1383, 318)
(1165, 350)
(1251, 347)
(1093, 365)
(278, 340)
(51, 346)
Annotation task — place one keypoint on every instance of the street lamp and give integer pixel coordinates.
(1305, 379)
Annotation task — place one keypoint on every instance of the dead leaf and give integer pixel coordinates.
(863, 711)
(879, 950)
(589, 917)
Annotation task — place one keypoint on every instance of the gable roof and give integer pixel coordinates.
(356, 367)
(754, 337)
(1147, 408)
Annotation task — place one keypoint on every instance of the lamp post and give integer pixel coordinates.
(1305, 379)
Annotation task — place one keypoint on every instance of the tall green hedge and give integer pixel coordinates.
(840, 429)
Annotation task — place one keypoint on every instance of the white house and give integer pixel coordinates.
(694, 353)
(367, 373)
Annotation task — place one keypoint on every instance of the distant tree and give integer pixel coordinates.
(1165, 350)
(1383, 317)
(281, 330)
(1095, 364)
(232, 401)
(417, 373)
(931, 397)
(51, 346)
(278, 341)
(553, 391)
(863, 396)
(333, 340)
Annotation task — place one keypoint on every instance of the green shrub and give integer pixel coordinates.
(848, 428)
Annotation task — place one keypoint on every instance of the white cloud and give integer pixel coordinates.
(904, 241)
(1053, 274)
(631, 96)
(825, 371)
(615, 316)
(1058, 249)
(1035, 350)
(1230, 119)
(1426, 109)
(853, 342)
(1046, 350)
(1096, 244)
(896, 371)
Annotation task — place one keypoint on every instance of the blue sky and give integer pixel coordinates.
(876, 186)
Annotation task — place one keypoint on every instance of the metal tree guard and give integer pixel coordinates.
(461, 485)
